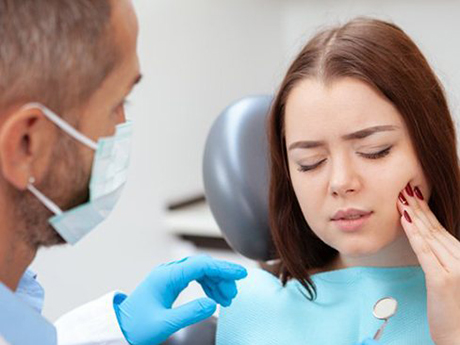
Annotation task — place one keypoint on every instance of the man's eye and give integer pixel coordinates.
(374, 155)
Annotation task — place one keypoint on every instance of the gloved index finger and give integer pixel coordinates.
(204, 266)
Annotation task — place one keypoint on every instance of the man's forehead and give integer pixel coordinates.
(125, 30)
(124, 20)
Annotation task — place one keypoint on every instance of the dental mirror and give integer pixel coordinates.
(384, 309)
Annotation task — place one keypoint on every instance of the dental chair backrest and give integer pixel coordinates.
(236, 178)
(235, 171)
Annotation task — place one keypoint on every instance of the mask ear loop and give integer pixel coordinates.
(63, 125)
(70, 131)
(47, 202)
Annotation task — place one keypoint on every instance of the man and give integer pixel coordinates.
(66, 67)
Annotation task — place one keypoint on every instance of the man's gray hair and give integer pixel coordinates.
(57, 52)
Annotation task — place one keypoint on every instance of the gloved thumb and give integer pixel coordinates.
(192, 312)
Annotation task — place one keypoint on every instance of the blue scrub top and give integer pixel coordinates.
(22, 324)
(30, 291)
(266, 313)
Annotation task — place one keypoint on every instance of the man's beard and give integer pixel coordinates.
(66, 184)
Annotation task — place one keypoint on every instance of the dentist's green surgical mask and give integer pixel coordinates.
(108, 176)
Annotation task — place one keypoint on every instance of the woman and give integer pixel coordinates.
(364, 199)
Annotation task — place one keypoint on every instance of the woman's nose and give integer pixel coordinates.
(344, 178)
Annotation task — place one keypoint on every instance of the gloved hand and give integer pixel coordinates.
(146, 316)
(369, 341)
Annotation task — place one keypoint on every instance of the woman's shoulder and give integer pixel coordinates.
(255, 314)
(254, 291)
(261, 286)
(257, 278)
(261, 291)
(248, 312)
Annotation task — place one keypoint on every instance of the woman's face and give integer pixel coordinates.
(349, 149)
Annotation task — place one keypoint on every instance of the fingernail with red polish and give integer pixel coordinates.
(406, 215)
(418, 193)
(402, 199)
(409, 190)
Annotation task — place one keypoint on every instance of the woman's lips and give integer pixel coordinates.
(349, 225)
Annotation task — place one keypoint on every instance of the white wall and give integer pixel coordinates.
(197, 57)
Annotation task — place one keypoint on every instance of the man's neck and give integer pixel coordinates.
(15, 257)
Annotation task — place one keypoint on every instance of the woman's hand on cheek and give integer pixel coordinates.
(439, 255)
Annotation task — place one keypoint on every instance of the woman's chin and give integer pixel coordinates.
(356, 250)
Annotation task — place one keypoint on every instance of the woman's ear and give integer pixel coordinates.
(27, 140)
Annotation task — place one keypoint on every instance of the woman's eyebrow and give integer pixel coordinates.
(361, 134)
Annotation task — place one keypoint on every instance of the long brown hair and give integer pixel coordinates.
(383, 56)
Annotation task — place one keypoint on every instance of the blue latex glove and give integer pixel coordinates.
(146, 316)
(369, 341)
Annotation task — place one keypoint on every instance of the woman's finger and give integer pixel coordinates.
(426, 243)
(427, 259)
(433, 230)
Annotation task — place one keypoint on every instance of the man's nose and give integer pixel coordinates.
(121, 118)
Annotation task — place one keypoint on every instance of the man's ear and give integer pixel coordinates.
(27, 140)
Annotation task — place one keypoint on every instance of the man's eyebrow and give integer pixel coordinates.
(361, 134)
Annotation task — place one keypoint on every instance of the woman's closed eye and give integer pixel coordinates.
(372, 155)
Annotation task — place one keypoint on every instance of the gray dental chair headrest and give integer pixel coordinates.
(235, 171)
